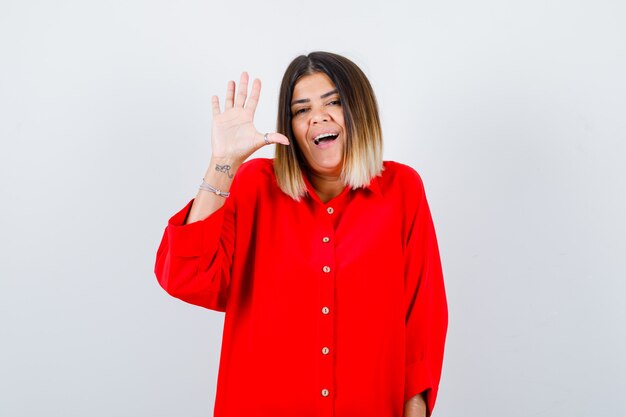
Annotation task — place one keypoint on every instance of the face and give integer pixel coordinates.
(318, 125)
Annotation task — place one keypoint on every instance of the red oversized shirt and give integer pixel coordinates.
(335, 309)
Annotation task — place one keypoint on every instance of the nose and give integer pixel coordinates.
(319, 115)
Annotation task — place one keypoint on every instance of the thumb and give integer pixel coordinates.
(271, 138)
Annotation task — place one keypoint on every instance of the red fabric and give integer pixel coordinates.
(261, 259)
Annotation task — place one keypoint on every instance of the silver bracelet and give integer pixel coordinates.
(206, 187)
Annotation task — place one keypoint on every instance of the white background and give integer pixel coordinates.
(514, 113)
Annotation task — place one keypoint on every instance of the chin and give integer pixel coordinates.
(328, 168)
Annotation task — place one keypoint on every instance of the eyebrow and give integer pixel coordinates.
(306, 100)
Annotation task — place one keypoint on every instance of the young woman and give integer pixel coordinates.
(324, 259)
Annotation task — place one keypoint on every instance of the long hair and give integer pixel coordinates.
(362, 159)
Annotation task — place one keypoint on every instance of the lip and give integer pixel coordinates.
(322, 132)
(325, 144)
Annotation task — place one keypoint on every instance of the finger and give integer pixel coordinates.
(255, 93)
(242, 91)
(278, 138)
(230, 94)
(271, 138)
(215, 104)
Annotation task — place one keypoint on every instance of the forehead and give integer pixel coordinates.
(312, 86)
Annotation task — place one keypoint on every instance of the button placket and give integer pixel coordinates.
(326, 314)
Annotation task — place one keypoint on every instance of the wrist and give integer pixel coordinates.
(234, 163)
(221, 172)
(205, 186)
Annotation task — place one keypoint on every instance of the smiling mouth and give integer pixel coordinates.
(327, 137)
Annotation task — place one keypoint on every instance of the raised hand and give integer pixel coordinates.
(234, 137)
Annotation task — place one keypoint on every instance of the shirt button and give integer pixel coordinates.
(325, 350)
(326, 269)
(325, 392)
(325, 310)
(330, 210)
(326, 239)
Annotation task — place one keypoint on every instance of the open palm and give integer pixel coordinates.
(234, 136)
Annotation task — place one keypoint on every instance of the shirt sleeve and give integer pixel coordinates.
(193, 260)
(425, 301)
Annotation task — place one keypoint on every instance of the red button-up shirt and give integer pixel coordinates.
(332, 309)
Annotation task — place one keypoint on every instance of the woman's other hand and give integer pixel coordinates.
(415, 407)
(234, 137)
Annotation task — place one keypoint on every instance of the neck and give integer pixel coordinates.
(326, 187)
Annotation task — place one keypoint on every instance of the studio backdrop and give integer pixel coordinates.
(513, 112)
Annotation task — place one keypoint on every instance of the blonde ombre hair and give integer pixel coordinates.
(363, 150)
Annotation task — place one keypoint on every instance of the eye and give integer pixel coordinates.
(299, 111)
(336, 102)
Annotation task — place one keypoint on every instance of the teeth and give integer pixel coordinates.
(324, 135)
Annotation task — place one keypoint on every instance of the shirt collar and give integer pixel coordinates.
(373, 187)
